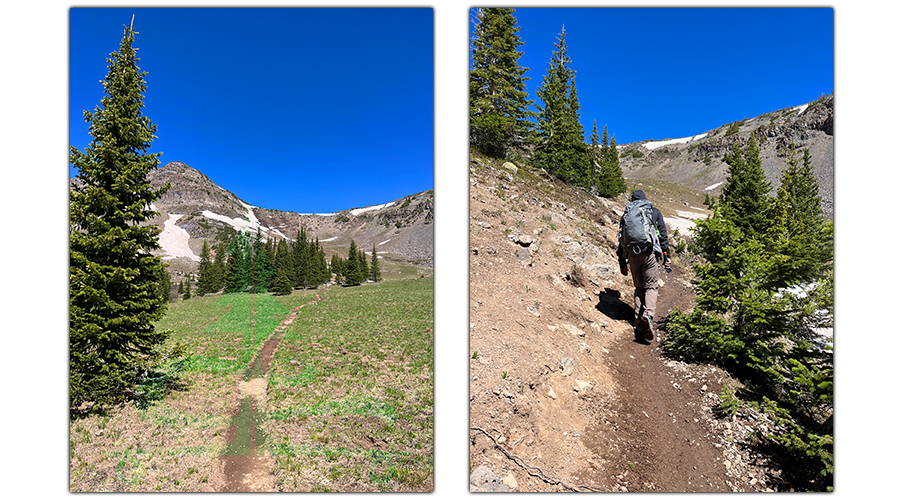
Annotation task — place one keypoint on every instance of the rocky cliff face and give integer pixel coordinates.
(697, 162)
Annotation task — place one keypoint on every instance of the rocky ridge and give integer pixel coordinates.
(698, 161)
(195, 209)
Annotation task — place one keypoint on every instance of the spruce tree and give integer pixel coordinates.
(262, 270)
(560, 147)
(745, 194)
(611, 183)
(375, 267)
(596, 156)
(164, 283)
(114, 281)
(338, 268)
(281, 284)
(764, 289)
(498, 99)
(239, 265)
(798, 232)
(205, 278)
(355, 274)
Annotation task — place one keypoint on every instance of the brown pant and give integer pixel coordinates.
(645, 273)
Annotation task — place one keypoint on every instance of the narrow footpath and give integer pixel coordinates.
(663, 423)
(246, 464)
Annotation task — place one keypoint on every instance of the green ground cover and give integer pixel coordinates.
(351, 391)
(348, 405)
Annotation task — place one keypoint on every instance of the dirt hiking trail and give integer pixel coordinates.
(246, 464)
(562, 397)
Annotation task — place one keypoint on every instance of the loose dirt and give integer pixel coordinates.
(562, 397)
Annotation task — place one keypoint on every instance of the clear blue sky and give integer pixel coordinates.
(657, 73)
(300, 109)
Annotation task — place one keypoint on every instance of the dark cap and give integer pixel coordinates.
(638, 195)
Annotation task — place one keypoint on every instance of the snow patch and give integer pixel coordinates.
(800, 109)
(358, 211)
(383, 242)
(714, 186)
(684, 140)
(684, 226)
(238, 224)
(329, 239)
(250, 214)
(690, 215)
(174, 240)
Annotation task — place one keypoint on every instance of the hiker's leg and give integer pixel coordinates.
(636, 265)
(639, 304)
(651, 283)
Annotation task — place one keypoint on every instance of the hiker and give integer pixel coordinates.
(642, 244)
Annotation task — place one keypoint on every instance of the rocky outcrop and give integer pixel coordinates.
(698, 162)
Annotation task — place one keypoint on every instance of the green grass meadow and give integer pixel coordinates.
(353, 377)
(348, 406)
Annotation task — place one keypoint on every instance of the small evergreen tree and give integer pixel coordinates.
(187, 289)
(239, 265)
(375, 267)
(611, 183)
(355, 274)
(745, 194)
(595, 156)
(165, 282)
(764, 289)
(205, 277)
(281, 284)
(114, 280)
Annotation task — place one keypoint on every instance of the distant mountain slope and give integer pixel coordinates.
(697, 161)
(195, 209)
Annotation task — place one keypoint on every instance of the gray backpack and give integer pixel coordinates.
(637, 232)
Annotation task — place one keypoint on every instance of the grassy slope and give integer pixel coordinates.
(173, 445)
(353, 376)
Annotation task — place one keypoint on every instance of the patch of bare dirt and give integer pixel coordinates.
(562, 398)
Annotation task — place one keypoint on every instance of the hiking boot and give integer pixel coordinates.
(646, 325)
(638, 333)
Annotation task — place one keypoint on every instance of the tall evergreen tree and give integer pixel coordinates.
(219, 269)
(498, 99)
(560, 147)
(113, 278)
